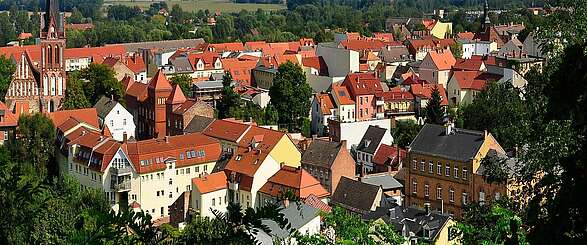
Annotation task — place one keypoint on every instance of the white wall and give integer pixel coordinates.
(120, 121)
(353, 132)
(340, 61)
(262, 99)
(203, 202)
(267, 169)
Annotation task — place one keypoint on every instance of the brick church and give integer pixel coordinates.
(40, 86)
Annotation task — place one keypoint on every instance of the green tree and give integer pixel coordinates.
(75, 97)
(7, 29)
(500, 110)
(230, 103)
(101, 82)
(435, 111)
(36, 142)
(290, 94)
(271, 115)
(456, 49)
(7, 69)
(405, 132)
(184, 82)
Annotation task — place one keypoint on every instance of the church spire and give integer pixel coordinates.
(52, 16)
(486, 15)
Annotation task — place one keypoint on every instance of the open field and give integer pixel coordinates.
(195, 5)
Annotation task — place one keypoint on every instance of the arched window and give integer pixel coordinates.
(49, 54)
(57, 54)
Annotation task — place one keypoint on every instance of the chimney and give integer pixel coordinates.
(485, 133)
(124, 137)
(448, 128)
(166, 139)
(427, 208)
(286, 202)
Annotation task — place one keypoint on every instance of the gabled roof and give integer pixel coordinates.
(245, 161)
(342, 94)
(394, 53)
(159, 81)
(396, 94)
(269, 138)
(466, 35)
(443, 59)
(325, 102)
(9, 119)
(387, 154)
(363, 44)
(469, 80)
(198, 124)
(371, 139)
(296, 179)
(136, 64)
(461, 145)
(473, 64)
(210, 183)
(425, 91)
(354, 195)
(385, 180)
(138, 90)
(226, 130)
(176, 96)
(362, 84)
(316, 62)
(88, 115)
(104, 106)
(322, 153)
(317, 203)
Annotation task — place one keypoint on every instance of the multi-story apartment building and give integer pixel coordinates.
(150, 174)
(362, 88)
(444, 168)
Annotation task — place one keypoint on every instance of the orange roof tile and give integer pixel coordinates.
(363, 44)
(468, 64)
(269, 138)
(325, 102)
(9, 119)
(396, 94)
(159, 81)
(240, 69)
(136, 64)
(425, 91)
(226, 130)
(470, 80)
(138, 90)
(210, 183)
(362, 84)
(317, 63)
(342, 94)
(387, 154)
(88, 115)
(315, 202)
(466, 35)
(443, 59)
(297, 179)
(177, 96)
(245, 161)
(223, 47)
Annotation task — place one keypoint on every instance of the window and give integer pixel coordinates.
(197, 169)
(415, 164)
(187, 170)
(111, 123)
(170, 194)
(188, 154)
(447, 170)
(451, 195)
(194, 153)
(181, 156)
(465, 198)
(157, 193)
(124, 121)
(182, 171)
(161, 210)
(430, 167)
(481, 196)
(213, 201)
(439, 193)
(414, 186)
(422, 165)
(205, 168)
(465, 173)
(456, 172)
(438, 168)
(361, 99)
(497, 196)
(426, 190)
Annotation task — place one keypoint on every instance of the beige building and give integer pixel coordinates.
(436, 66)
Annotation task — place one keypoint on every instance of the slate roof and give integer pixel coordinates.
(104, 106)
(297, 214)
(354, 195)
(321, 153)
(198, 124)
(385, 180)
(394, 53)
(461, 145)
(373, 135)
(415, 220)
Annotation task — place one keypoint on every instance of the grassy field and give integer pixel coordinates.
(195, 5)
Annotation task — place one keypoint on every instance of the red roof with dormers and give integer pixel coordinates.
(425, 91)
(245, 161)
(240, 69)
(297, 180)
(325, 102)
(387, 37)
(342, 94)
(362, 84)
(257, 45)
(136, 64)
(208, 58)
(149, 155)
(396, 94)
(226, 130)
(269, 138)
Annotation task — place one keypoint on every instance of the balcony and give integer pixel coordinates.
(121, 171)
(121, 187)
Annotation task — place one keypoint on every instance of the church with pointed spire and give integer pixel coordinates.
(40, 86)
(487, 31)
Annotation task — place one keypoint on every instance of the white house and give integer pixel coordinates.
(116, 118)
(373, 138)
(301, 217)
(476, 47)
(339, 61)
(322, 109)
(209, 192)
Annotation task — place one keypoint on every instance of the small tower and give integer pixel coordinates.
(487, 22)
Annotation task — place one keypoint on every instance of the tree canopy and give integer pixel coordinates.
(7, 69)
(434, 110)
(290, 94)
(101, 82)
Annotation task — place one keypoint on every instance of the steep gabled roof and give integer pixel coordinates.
(425, 91)
(226, 130)
(354, 195)
(443, 59)
(176, 96)
(159, 81)
(297, 179)
(104, 106)
(322, 153)
(362, 84)
(371, 139)
(88, 115)
(210, 183)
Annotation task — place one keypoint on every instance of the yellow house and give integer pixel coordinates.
(441, 30)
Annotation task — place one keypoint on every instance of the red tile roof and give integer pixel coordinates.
(226, 130)
(425, 91)
(269, 138)
(317, 203)
(177, 96)
(387, 37)
(210, 183)
(159, 81)
(25, 35)
(363, 44)
(88, 115)
(396, 94)
(342, 94)
(208, 58)
(387, 154)
(468, 64)
(223, 47)
(325, 102)
(466, 35)
(136, 64)
(245, 161)
(138, 90)
(317, 63)
(443, 59)
(468, 80)
(9, 119)
(296, 179)
(362, 84)
(174, 147)
(240, 69)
